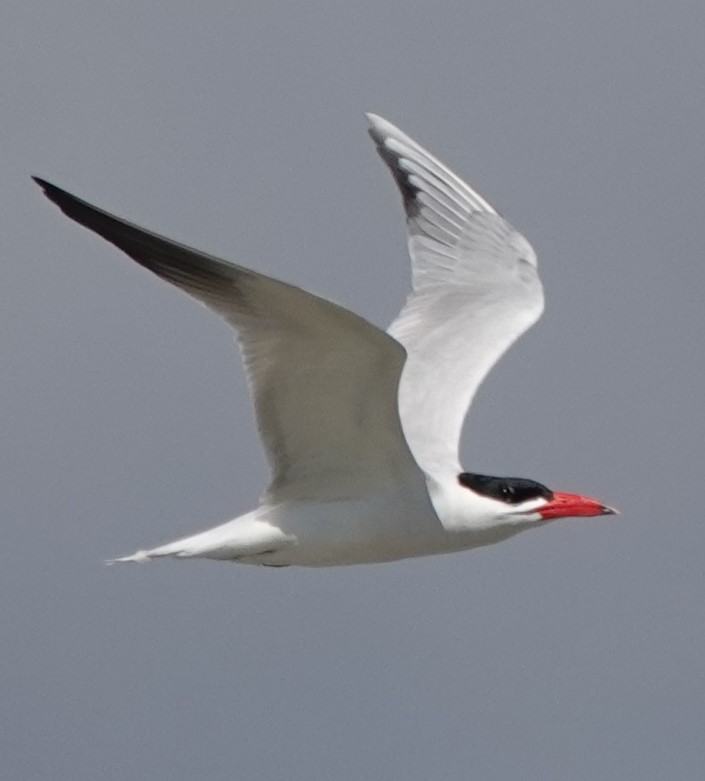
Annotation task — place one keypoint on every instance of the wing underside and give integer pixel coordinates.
(324, 381)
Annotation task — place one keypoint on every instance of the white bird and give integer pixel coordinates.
(362, 427)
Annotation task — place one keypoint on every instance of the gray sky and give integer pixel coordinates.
(575, 652)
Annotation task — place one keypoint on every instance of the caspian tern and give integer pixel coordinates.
(362, 427)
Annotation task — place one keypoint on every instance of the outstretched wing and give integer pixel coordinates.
(475, 291)
(324, 381)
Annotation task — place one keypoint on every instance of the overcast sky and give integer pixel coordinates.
(573, 652)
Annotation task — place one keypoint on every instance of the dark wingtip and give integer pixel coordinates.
(71, 206)
(41, 182)
(406, 188)
(51, 191)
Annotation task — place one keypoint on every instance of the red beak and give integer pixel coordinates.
(574, 506)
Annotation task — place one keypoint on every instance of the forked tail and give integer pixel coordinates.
(241, 538)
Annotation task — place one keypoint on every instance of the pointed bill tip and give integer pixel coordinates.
(574, 506)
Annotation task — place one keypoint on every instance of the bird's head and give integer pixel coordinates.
(521, 501)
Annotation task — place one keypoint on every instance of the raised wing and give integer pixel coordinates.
(324, 381)
(475, 291)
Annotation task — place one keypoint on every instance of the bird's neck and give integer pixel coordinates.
(460, 509)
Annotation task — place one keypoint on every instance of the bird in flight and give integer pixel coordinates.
(362, 427)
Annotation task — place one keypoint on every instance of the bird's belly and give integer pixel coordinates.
(357, 532)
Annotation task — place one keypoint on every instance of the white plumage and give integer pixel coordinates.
(361, 427)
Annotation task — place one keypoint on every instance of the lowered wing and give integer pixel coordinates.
(324, 381)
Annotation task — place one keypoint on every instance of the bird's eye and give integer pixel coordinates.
(507, 491)
(512, 490)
